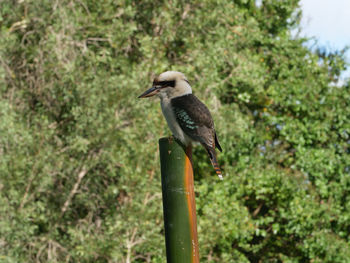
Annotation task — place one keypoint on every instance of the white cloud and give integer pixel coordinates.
(328, 21)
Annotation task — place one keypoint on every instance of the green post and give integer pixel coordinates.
(179, 207)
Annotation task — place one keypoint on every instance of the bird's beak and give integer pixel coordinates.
(150, 92)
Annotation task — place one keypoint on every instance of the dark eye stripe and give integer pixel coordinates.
(170, 83)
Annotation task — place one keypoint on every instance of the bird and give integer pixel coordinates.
(188, 118)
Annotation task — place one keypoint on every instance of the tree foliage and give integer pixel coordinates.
(79, 166)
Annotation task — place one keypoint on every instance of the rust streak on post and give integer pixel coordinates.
(191, 203)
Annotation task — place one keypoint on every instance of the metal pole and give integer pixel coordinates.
(179, 206)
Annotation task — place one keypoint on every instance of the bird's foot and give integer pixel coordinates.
(171, 139)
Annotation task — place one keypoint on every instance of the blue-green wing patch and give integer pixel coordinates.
(184, 119)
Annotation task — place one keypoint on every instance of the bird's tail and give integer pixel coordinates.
(214, 161)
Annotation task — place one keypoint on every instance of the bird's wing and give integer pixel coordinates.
(217, 144)
(195, 119)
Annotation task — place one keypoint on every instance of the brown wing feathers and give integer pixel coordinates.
(195, 120)
(217, 144)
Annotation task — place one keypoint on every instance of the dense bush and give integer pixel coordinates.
(79, 166)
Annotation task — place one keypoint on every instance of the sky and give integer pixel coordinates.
(329, 22)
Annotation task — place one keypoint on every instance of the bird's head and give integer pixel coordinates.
(168, 85)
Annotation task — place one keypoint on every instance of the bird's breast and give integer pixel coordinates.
(175, 128)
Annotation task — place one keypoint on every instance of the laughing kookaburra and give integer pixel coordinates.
(187, 117)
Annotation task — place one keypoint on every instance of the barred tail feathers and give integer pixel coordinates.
(214, 161)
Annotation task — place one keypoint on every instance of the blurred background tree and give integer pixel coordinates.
(79, 166)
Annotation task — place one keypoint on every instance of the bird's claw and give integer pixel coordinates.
(171, 139)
